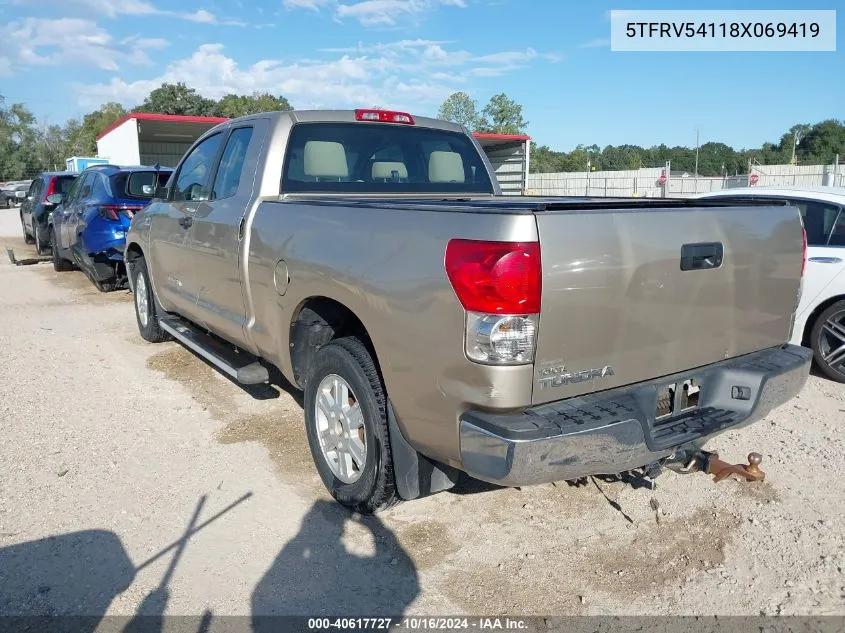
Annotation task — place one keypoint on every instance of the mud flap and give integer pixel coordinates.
(416, 475)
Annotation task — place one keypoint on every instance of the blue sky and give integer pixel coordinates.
(63, 58)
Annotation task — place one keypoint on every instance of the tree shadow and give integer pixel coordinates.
(66, 582)
(314, 574)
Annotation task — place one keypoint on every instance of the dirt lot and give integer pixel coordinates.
(111, 444)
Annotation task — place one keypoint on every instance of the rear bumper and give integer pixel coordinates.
(616, 430)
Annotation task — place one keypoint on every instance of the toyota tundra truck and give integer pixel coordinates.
(437, 326)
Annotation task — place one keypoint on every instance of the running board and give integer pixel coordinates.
(239, 366)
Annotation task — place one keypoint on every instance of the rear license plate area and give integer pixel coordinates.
(677, 398)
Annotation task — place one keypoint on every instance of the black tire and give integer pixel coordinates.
(27, 238)
(60, 264)
(40, 247)
(375, 489)
(817, 335)
(152, 331)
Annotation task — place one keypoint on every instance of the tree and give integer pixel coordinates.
(462, 109)
(503, 116)
(232, 105)
(177, 99)
(821, 143)
(82, 136)
(17, 141)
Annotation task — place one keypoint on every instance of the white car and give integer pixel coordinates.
(820, 320)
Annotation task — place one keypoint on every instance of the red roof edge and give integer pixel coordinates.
(150, 116)
(501, 137)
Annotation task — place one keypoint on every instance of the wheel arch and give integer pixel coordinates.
(811, 320)
(315, 321)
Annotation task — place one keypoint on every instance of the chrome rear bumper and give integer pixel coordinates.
(616, 430)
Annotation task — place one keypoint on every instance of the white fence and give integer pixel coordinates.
(645, 183)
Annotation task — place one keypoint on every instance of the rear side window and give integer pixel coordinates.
(63, 184)
(381, 158)
(138, 184)
(819, 220)
(192, 181)
(228, 177)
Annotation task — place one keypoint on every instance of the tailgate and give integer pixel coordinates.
(617, 308)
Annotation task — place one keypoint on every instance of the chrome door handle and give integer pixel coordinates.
(825, 260)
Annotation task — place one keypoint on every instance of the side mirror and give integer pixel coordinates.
(162, 193)
(55, 198)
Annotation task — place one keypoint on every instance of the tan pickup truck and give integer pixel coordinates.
(437, 326)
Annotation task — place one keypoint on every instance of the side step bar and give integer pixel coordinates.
(240, 366)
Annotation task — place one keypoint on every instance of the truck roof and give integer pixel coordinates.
(338, 116)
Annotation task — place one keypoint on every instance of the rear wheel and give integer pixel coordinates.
(146, 309)
(346, 422)
(828, 341)
(27, 238)
(40, 246)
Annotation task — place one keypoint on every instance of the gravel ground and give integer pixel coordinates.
(114, 449)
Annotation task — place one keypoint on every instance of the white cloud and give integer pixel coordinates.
(40, 42)
(138, 8)
(313, 5)
(408, 74)
(386, 13)
(597, 43)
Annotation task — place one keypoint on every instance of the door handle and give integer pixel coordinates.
(825, 260)
(186, 222)
(701, 256)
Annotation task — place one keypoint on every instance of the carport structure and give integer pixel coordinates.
(141, 138)
(509, 154)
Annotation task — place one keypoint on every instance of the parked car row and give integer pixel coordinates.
(13, 193)
(81, 219)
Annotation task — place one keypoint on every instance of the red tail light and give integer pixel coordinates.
(804, 254)
(495, 277)
(50, 190)
(113, 212)
(384, 116)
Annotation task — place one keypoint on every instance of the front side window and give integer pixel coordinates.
(228, 177)
(819, 219)
(192, 183)
(381, 158)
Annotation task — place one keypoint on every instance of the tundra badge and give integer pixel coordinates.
(557, 376)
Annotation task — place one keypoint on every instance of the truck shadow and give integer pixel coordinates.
(315, 575)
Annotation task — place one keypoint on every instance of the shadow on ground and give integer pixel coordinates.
(67, 582)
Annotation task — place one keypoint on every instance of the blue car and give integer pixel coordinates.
(89, 225)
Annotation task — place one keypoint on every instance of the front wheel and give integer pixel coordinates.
(346, 422)
(828, 341)
(146, 313)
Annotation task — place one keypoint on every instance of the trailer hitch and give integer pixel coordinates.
(710, 464)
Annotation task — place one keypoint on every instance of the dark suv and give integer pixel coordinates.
(36, 212)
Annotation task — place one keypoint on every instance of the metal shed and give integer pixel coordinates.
(141, 138)
(509, 154)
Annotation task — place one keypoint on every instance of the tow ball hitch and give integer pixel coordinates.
(710, 464)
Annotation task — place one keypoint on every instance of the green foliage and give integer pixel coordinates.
(462, 109)
(177, 99)
(502, 115)
(818, 144)
(81, 136)
(232, 105)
